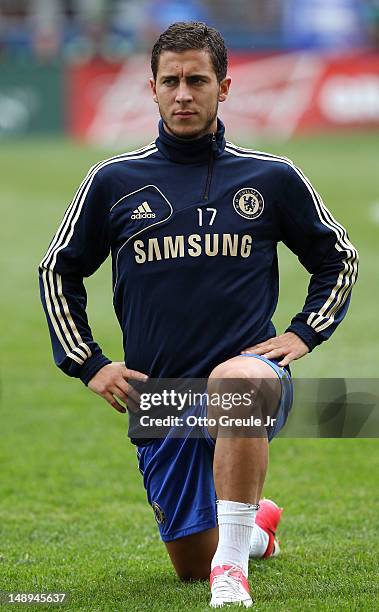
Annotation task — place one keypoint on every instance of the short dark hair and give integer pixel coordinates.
(186, 35)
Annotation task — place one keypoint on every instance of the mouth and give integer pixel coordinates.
(184, 114)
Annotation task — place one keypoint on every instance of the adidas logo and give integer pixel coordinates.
(143, 211)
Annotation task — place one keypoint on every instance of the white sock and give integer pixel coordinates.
(258, 542)
(235, 527)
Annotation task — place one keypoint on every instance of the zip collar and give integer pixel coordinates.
(183, 151)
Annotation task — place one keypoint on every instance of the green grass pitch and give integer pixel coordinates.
(73, 514)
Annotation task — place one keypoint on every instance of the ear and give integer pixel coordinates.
(153, 89)
(224, 88)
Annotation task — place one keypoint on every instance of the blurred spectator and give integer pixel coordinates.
(47, 27)
(161, 13)
(324, 24)
(371, 11)
(127, 20)
(249, 25)
(164, 12)
(13, 35)
(86, 27)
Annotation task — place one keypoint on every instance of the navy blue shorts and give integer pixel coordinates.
(178, 472)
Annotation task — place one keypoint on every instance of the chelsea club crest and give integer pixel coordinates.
(159, 514)
(248, 203)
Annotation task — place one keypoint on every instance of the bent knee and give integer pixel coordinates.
(229, 369)
(242, 367)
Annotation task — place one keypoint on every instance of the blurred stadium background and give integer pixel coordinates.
(73, 90)
(79, 66)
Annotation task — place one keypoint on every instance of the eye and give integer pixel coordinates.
(169, 81)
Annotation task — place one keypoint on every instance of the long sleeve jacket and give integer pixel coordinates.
(192, 228)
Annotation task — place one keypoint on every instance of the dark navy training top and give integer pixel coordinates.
(192, 227)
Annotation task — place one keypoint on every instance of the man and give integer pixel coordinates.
(192, 223)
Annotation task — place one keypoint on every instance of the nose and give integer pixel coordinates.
(183, 93)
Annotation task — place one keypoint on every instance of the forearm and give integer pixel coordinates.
(64, 302)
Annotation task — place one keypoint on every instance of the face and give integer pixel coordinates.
(187, 92)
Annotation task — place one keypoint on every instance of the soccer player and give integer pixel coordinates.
(192, 222)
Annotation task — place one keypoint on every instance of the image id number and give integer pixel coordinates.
(35, 598)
